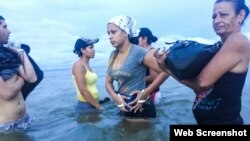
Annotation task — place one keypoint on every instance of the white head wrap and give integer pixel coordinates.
(126, 23)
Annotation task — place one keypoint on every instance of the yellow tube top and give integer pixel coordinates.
(90, 80)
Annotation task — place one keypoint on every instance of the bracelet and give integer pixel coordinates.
(119, 105)
(142, 101)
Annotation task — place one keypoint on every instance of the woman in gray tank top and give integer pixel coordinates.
(127, 66)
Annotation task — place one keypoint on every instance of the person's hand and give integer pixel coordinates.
(138, 102)
(136, 107)
(121, 104)
(134, 104)
(21, 54)
(161, 57)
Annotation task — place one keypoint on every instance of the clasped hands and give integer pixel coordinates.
(135, 105)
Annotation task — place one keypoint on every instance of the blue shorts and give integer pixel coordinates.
(17, 125)
(85, 108)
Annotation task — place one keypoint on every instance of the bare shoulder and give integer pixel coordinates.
(236, 44)
(78, 67)
(77, 63)
(238, 39)
(236, 50)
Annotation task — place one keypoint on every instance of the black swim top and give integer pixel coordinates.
(224, 99)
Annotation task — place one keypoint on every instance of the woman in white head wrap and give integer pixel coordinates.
(126, 23)
(127, 66)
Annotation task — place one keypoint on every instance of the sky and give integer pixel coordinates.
(52, 27)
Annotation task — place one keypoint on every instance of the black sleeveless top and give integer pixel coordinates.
(224, 101)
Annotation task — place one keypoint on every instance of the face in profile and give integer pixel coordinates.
(89, 51)
(4, 32)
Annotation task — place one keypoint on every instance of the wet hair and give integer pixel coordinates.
(1, 18)
(238, 6)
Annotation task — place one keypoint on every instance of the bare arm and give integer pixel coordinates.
(152, 74)
(79, 72)
(150, 61)
(161, 77)
(110, 89)
(11, 87)
(26, 70)
(232, 57)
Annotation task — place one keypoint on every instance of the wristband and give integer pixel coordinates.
(119, 105)
(142, 101)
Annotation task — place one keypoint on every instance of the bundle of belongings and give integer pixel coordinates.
(10, 62)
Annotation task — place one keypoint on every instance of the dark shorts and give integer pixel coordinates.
(85, 108)
(149, 111)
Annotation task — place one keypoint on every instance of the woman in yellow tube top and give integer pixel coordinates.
(84, 78)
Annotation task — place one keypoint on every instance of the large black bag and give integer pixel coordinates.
(187, 58)
(28, 87)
